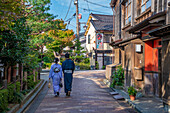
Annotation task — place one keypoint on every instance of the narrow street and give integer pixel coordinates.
(89, 94)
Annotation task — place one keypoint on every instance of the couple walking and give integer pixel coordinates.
(56, 74)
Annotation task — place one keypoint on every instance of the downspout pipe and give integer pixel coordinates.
(120, 13)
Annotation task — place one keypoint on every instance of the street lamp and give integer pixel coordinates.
(75, 2)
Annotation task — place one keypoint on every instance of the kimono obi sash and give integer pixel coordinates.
(68, 71)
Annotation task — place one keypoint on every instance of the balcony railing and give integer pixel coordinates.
(143, 16)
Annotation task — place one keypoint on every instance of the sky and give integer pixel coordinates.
(60, 8)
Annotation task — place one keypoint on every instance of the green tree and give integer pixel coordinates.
(61, 38)
(14, 45)
(38, 17)
(78, 52)
(10, 10)
(40, 41)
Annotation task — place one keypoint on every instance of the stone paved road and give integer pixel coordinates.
(89, 95)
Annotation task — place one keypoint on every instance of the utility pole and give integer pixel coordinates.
(77, 18)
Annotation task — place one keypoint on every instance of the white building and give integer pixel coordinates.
(98, 36)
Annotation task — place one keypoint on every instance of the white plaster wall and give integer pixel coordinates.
(92, 34)
(84, 46)
(106, 46)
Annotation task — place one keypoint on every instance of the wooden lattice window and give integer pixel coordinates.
(145, 4)
(128, 12)
(155, 8)
(160, 5)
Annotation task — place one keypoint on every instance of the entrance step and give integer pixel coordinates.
(114, 93)
(118, 97)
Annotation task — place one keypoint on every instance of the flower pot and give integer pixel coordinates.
(132, 97)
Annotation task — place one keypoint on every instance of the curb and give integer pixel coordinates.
(28, 98)
(126, 99)
(129, 102)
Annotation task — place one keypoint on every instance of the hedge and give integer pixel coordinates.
(83, 66)
(11, 92)
(18, 87)
(3, 100)
(30, 81)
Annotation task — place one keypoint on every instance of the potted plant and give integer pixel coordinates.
(132, 93)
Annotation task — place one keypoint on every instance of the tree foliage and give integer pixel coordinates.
(61, 38)
(14, 44)
(10, 10)
(26, 27)
(38, 17)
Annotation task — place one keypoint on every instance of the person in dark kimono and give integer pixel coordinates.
(68, 67)
(56, 75)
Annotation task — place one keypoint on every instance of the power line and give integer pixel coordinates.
(93, 10)
(68, 9)
(97, 4)
(88, 7)
(72, 25)
(71, 17)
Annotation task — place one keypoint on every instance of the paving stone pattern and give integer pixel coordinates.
(89, 95)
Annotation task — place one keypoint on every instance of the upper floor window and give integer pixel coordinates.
(88, 39)
(145, 4)
(128, 12)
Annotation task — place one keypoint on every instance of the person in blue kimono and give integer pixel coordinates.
(56, 75)
(68, 67)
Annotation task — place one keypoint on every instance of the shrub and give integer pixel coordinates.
(86, 60)
(11, 92)
(48, 65)
(3, 100)
(18, 87)
(103, 67)
(18, 97)
(44, 66)
(97, 65)
(132, 91)
(36, 74)
(62, 60)
(83, 66)
(30, 81)
(118, 77)
(26, 91)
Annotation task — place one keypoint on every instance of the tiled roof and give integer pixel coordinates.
(105, 26)
(102, 22)
(105, 18)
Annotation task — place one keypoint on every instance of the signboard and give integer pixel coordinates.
(138, 48)
(99, 41)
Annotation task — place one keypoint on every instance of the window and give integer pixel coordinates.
(88, 39)
(128, 12)
(106, 38)
(107, 60)
(145, 4)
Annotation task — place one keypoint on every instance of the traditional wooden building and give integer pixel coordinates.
(98, 36)
(164, 34)
(138, 51)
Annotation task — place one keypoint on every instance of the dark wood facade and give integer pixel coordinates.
(143, 54)
(136, 19)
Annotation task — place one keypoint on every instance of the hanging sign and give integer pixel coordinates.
(99, 41)
(80, 16)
